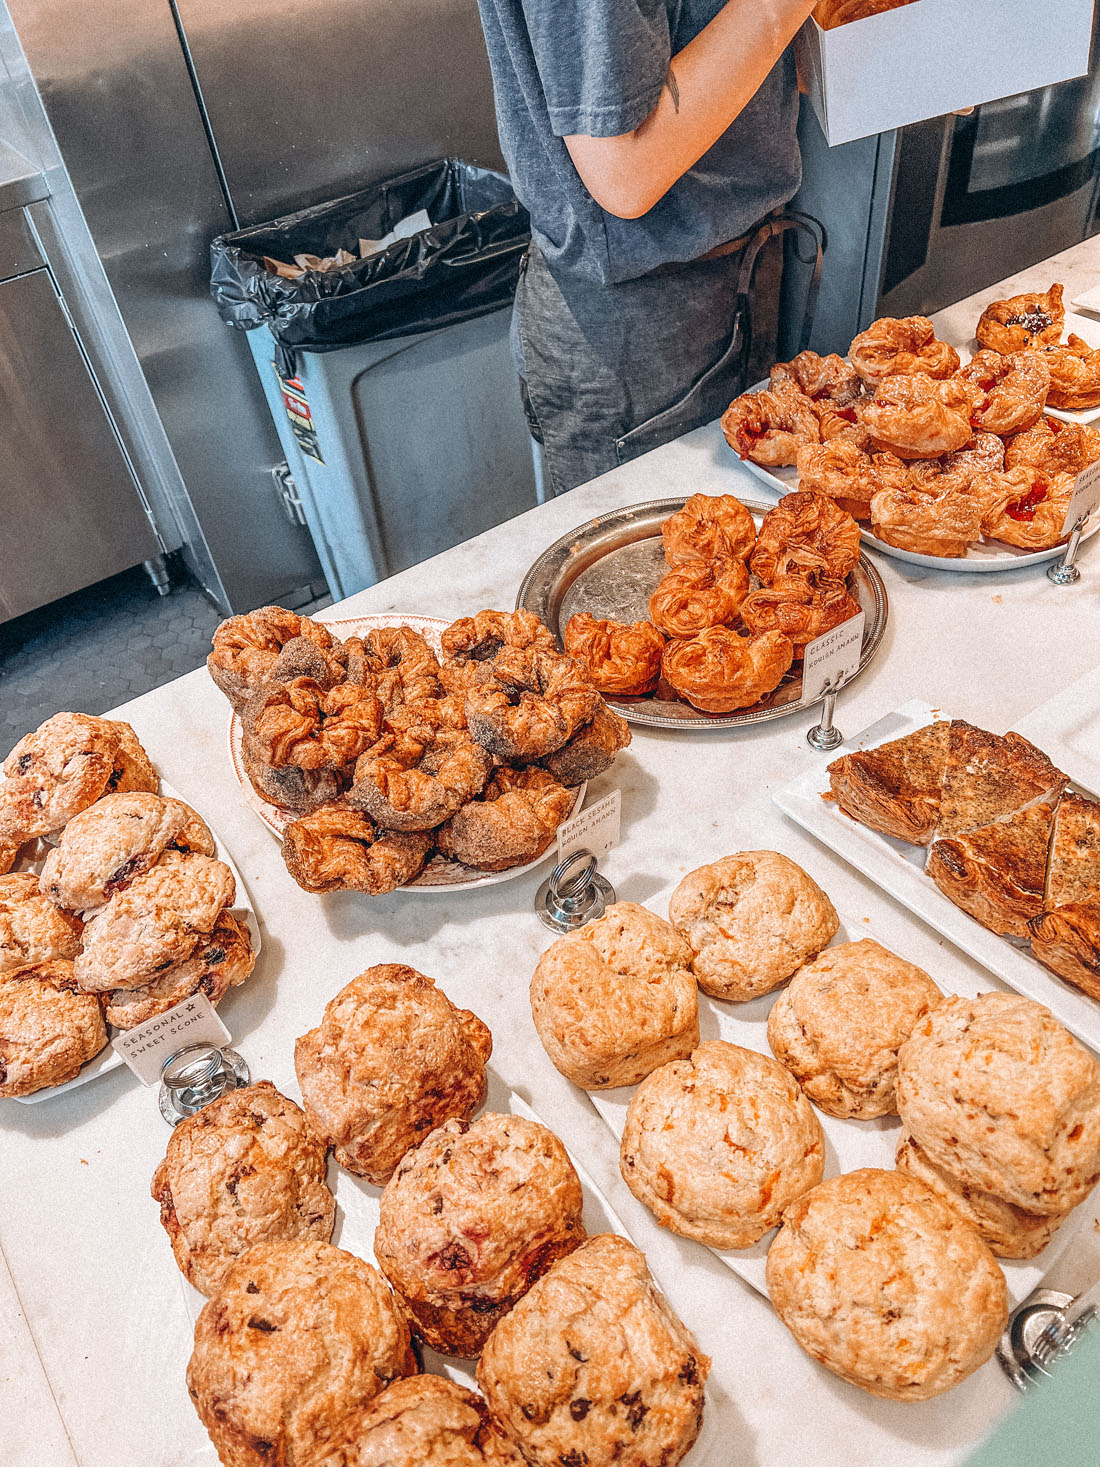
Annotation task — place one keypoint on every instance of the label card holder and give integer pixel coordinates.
(595, 829)
(832, 658)
(145, 1047)
(1085, 496)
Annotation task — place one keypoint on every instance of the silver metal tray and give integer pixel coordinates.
(609, 567)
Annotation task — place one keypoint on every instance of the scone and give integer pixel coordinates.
(470, 1219)
(752, 920)
(881, 1282)
(391, 1059)
(218, 963)
(838, 1025)
(32, 930)
(998, 1094)
(717, 1145)
(615, 999)
(245, 1169)
(592, 1367)
(48, 1028)
(299, 1335)
(1009, 1231)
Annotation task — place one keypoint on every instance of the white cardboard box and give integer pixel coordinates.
(934, 56)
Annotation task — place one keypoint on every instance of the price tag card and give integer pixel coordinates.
(595, 829)
(146, 1047)
(1085, 496)
(831, 658)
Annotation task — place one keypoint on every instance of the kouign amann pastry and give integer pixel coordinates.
(881, 1282)
(717, 1145)
(534, 703)
(751, 920)
(622, 660)
(32, 929)
(592, 1367)
(895, 787)
(998, 1094)
(591, 750)
(1023, 322)
(988, 776)
(391, 1059)
(838, 1026)
(415, 779)
(246, 648)
(396, 664)
(798, 609)
(768, 428)
(700, 594)
(306, 726)
(340, 849)
(719, 670)
(299, 1335)
(219, 962)
(418, 1421)
(470, 1219)
(806, 534)
(615, 999)
(48, 1028)
(901, 347)
(513, 820)
(244, 1169)
(996, 872)
(709, 527)
(919, 417)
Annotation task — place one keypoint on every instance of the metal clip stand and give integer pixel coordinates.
(825, 736)
(1046, 1327)
(193, 1077)
(565, 902)
(1064, 572)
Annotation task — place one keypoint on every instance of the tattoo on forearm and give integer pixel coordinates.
(674, 90)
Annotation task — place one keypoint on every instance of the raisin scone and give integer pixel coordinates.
(615, 999)
(717, 1145)
(391, 1059)
(106, 846)
(998, 1094)
(48, 1028)
(299, 1335)
(883, 1284)
(593, 1367)
(895, 788)
(752, 920)
(838, 1025)
(245, 1169)
(32, 930)
(218, 963)
(470, 1219)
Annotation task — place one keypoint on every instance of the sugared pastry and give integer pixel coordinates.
(391, 1059)
(305, 726)
(1074, 375)
(48, 1028)
(838, 1026)
(340, 849)
(513, 820)
(622, 660)
(1009, 1231)
(299, 1335)
(414, 779)
(592, 1367)
(154, 923)
(219, 962)
(799, 609)
(829, 379)
(841, 470)
(806, 534)
(1054, 446)
(901, 347)
(709, 527)
(719, 670)
(246, 649)
(9, 854)
(895, 788)
(1027, 507)
(420, 1421)
(997, 1093)
(591, 750)
(700, 594)
(769, 428)
(919, 417)
(883, 1284)
(1067, 940)
(990, 775)
(615, 999)
(470, 1219)
(1013, 389)
(32, 929)
(244, 1169)
(106, 846)
(1023, 322)
(717, 1145)
(395, 663)
(533, 704)
(479, 638)
(996, 872)
(751, 920)
(939, 516)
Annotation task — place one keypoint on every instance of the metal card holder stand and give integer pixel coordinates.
(574, 893)
(1064, 572)
(196, 1075)
(825, 736)
(1043, 1329)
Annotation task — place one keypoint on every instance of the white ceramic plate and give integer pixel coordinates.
(898, 868)
(439, 872)
(107, 1060)
(1067, 729)
(849, 1144)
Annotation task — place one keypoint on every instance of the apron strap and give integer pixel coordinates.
(805, 228)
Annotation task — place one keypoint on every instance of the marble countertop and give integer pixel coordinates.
(98, 1364)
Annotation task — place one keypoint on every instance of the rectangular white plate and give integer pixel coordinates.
(1067, 729)
(898, 868)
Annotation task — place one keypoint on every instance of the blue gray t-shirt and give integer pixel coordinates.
(597, 67)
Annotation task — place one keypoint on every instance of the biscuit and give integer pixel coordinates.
(838, 1025)
(1009, 1231)
(244, 1169)
(592, 1367)
(391, 1059)
(752, 920)
(299, 1335)
(883, 1284)
(470, 1219)
(32, 930)
(615, 999)
(218, 963)
(717, 1145)
(48, 1028)
(998, 1094)
(155, 922)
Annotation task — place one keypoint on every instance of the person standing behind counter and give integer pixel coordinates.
(647, 139)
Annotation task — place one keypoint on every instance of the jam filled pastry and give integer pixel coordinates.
(918, 417)
(770, 427)
(898, 348)
(1033, 320)
(937, 517)
(1013, 389)
(822, 379)
(1054, 446)
(1074, 375)
(1027, 507)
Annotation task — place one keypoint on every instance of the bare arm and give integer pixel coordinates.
(710, 82)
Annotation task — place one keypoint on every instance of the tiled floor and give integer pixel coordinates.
(97, 648)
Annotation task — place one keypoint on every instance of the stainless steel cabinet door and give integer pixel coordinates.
(69, 511)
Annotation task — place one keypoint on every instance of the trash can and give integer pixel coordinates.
(389, 378)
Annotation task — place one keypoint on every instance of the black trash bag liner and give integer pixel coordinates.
(465, 265)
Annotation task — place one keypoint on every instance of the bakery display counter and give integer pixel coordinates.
(97, 1323)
